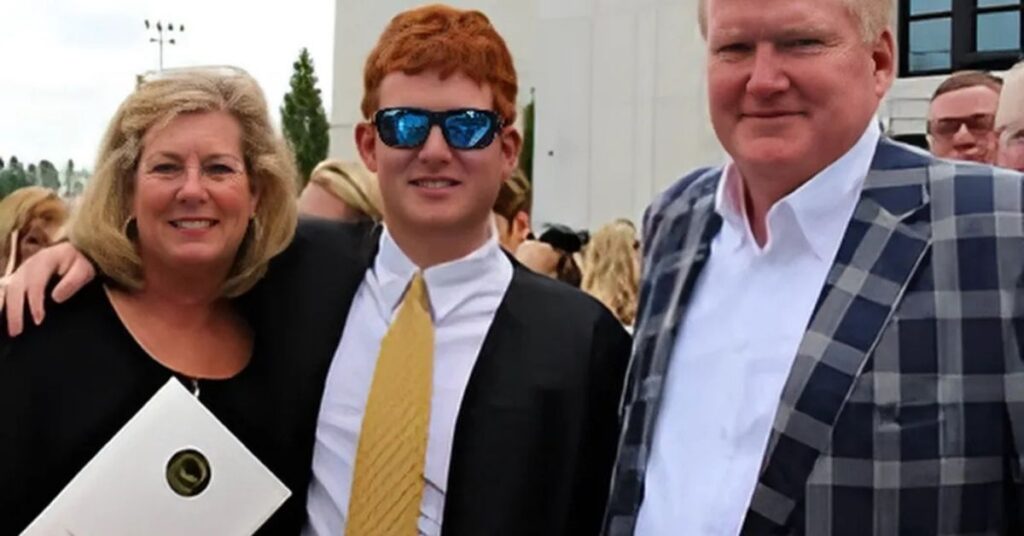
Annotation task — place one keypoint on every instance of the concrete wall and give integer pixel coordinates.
(619, 89)
(620, 94)
(621, 107)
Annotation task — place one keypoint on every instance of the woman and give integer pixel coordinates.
(612, 273)
(193, 195)
(31, 219)
(342, 191)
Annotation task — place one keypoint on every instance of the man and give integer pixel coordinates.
(829, 328)
(961, 117)
(512, 211)
(458, 392)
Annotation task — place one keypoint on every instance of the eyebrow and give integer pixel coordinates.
(776, 34)
(176, 156)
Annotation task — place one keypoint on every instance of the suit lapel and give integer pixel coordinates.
(884, 244)
(678, 243)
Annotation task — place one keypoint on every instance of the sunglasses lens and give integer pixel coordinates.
(469, 129)
(403, 128)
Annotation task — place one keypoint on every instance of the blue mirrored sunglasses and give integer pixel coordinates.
(466, 128)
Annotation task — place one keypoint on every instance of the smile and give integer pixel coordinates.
(193, 224)
(434, 183)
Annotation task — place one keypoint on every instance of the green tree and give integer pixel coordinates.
(67, 183)
(303, 119)
(49, 177)
(13, 177)
(32, 174)
(526, 155)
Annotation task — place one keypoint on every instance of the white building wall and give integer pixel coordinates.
(621, 99)
(621, 107)
(619, 89)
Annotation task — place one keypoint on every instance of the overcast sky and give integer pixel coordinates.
(67, 64)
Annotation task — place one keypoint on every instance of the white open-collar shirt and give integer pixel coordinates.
(736, 344)
(464, 297)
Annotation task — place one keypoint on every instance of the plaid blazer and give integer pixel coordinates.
(903, 413)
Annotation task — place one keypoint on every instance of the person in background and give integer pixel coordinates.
(961, 117)
(341, 191)
(512, 211)
(611, 270)
(554, 254)
(31, 218)
(1010, 120)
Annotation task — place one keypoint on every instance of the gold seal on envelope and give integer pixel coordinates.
(188, 472)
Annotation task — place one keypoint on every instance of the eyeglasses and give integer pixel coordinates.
(977, 125)
(463, 129)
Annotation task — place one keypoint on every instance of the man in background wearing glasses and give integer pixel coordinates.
(961, 117)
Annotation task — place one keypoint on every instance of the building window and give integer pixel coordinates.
(941, 36)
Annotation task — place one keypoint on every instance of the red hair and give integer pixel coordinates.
(449, 40)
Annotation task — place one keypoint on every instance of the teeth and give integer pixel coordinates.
(435, 183)
(193, 224)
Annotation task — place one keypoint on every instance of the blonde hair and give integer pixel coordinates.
(15, 210)
(97, 228)
(612, 269)
(352, 183)
(874, 16)
(1010, 111)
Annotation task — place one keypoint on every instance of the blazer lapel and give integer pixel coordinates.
(676, 253)
(884, 244)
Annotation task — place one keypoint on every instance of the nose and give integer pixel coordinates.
(767, 76)
(192, 190)
(435, 150)
(963, 136)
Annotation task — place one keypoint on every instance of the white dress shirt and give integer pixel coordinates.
(464, 297)
(736, 344)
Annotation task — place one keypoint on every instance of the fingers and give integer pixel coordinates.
(14, 303)
(76, 276)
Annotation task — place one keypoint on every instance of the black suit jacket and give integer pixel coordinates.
(536, 434)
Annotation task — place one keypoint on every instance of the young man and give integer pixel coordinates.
(449, 390)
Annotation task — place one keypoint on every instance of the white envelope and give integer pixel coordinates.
(124, 489)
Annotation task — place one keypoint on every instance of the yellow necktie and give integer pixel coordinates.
(387, 484)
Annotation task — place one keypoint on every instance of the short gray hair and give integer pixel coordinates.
(874, 16)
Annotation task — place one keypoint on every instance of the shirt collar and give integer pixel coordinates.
(815, 203)
(448, 284)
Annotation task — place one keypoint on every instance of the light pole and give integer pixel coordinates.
(159, 39)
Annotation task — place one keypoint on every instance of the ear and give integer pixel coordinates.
(883, 54)
(366, 143)
(521, 225)
(254, 202)
(511, 144)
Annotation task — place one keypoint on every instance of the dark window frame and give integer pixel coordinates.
(964, 25)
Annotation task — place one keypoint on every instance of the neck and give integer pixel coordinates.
(760, 193)
(431, 248)
(182, 291)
